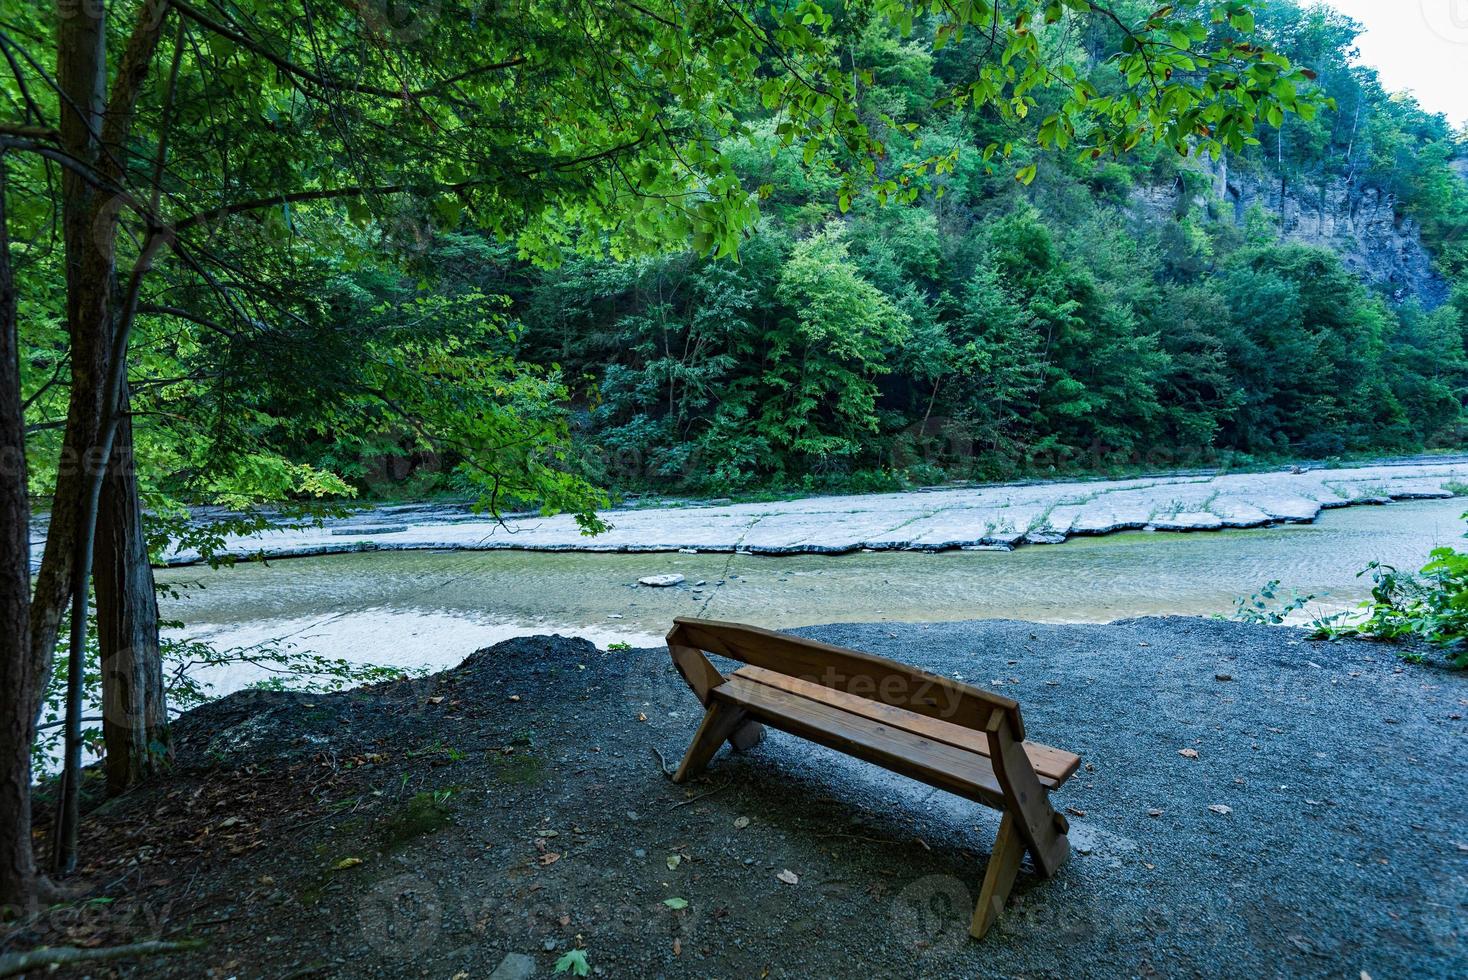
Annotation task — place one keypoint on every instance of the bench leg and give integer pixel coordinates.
(719, 723)
(1009, 848)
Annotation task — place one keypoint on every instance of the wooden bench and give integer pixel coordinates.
(945, 733)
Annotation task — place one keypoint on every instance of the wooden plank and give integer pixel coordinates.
(1036, 820)
(938, 764)
(699, 674)
(861, 674)
(999, 877)
(1053, 766)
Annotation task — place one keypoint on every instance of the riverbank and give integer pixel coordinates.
(994, 517)
(514, 807)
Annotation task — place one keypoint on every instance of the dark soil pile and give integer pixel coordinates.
(517, 805)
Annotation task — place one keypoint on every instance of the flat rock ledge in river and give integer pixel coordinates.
(983, 517)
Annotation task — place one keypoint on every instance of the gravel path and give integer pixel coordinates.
(1343, 851)
(978, 517)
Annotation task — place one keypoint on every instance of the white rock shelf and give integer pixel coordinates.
(991, 517)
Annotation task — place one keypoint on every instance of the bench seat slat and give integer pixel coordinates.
(936, 763)
(1052, 766)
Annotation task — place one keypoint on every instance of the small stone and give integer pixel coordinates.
(1154, 813)
(1221, 809)
(1223, 677)
(661, 581)
(549, 945)
(640, 852)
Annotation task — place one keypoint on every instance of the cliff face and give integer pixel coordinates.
(1361, 225)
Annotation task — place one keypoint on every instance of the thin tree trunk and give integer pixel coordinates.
(17, 694)
(134, 720)
(81, 74)
(99, 324)
(81, 77)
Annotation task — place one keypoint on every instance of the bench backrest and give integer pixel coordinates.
(862, 674)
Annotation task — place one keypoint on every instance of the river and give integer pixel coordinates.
(430, 609)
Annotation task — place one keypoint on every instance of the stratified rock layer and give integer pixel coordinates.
(973, 517)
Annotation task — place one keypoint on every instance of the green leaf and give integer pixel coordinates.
(574, 962)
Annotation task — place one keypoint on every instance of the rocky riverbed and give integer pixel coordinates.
(981, 517)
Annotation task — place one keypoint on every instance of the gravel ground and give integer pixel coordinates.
(409, 829)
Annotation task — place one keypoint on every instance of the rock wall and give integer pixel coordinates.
(1361, 225)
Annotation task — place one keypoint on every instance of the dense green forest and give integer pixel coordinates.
(1004, 329)
(995, 327)
(1097, 314)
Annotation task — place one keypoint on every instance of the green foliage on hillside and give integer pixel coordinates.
(999, 328)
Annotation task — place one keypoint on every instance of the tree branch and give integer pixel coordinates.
(316, 78)
(38, 960)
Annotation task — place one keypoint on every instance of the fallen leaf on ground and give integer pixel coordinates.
(676, 904)
(1222, 809)
(741, 822)
(346, 863)
(1188, 753)
(789, 877)
(548, 858)
(673, 861)
(1075, 811)
(677, 947)
(574, 962)
(641, 716)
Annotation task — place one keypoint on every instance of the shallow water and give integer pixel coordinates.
(432, 609)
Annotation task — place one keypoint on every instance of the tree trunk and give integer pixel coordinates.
(88, 233)
(81, 77)
(98, 139)
(17, 694)
(134, 720)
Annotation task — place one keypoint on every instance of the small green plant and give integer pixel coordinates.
(573, 961)
(1431, 606)
(1266, 608)
(619, 646)
(425, 813)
